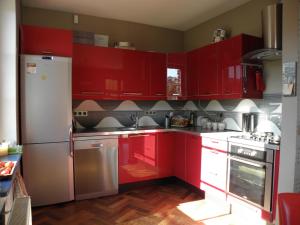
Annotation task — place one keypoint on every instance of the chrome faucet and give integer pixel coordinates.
(135, 119)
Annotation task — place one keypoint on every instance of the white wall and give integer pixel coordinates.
(8, 70)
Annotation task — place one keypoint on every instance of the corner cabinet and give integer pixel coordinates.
(42, 40)
(238, 80)
(216, 71)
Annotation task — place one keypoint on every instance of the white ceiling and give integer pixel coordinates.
(173, 14)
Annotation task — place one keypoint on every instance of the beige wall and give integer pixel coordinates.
(144, 37)
(244, 19)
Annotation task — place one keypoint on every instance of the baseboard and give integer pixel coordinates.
(161, 181)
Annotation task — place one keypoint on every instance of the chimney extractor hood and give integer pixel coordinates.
(272, 35)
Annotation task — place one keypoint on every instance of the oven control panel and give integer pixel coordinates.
(247, 152)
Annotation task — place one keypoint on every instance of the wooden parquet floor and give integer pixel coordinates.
(150, 205)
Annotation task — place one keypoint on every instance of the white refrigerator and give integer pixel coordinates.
(46, 124)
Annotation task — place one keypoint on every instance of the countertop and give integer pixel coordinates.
(6, 184)
(121, 131)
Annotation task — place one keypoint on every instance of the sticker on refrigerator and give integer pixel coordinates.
(31, 68)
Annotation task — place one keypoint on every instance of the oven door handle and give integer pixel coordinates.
(256, 164)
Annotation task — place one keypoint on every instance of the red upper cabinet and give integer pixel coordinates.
(165, 154)
(137, 158)
(216, 71)
(208, 78)
(193, 160)
(134, 79)
(193, 68)
(157, 70)
(42, 40)
(176, 75)
(96, 72)
(238, 81)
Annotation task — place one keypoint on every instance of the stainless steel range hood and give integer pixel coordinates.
(272, 35)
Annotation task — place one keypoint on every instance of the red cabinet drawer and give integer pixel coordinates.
(42, 40)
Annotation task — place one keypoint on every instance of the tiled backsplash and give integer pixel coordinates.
(152, 113)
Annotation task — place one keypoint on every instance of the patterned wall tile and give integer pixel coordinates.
(161, 105)
(214, 106)
(109, 122)
(117, 113)
(268, 126)
(247, 106)
(128, 106)
(89, 105)
(145, 121)
(190, 105)
(231, 124)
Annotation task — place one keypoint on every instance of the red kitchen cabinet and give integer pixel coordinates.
(180, 156)
(193, 68)
(134, 80)
(96, 72)
(193, 159)
(137, 158)
(42, 40)
(216, 71)
(237, 83)
(165, 151)
(158, 74)
(176, 87)
(208, 78)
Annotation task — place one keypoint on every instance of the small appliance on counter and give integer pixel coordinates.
(249, 122)
(179, 121)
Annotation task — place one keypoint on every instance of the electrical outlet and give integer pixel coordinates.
(80, 113)
(150, 112)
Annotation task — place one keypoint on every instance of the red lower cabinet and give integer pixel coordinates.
(137, 158)
(193, 160)
(150, 156)
(180, 156)
(165, 152)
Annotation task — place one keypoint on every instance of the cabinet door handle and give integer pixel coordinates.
(97, 145)
(159, 94)
(71, 144)
(132, 93)
(215, 142)
(92, 93)
(139, 135)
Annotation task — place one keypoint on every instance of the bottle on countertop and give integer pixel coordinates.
(192, 119)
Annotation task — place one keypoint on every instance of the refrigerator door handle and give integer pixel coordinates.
(71, 145)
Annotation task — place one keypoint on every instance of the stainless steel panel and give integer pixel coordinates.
(46, 98)
(96, 167)
(272, 26)
(48, 173)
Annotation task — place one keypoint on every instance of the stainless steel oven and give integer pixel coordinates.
(250, 174)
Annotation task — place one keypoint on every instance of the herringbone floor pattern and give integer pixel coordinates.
(144, 206)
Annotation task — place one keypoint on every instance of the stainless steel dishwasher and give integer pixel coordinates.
(95, 166)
